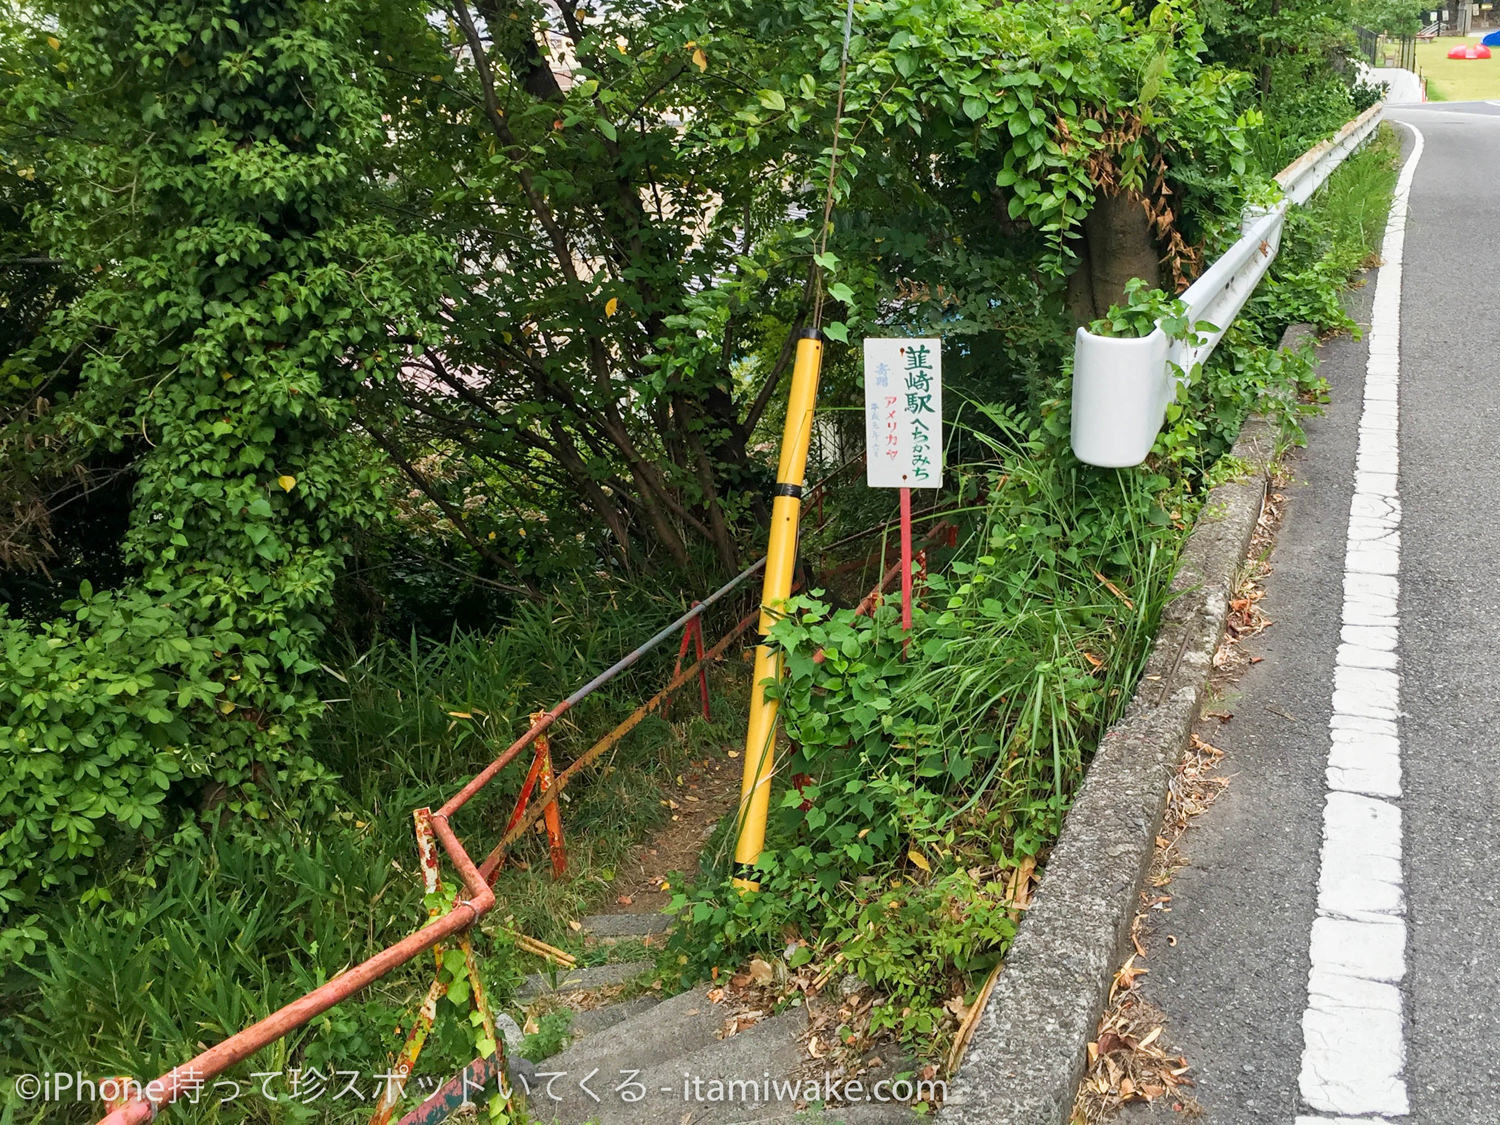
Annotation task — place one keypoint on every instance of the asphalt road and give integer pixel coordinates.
(1234, 985)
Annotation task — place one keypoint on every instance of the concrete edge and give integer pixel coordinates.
(1029, 1049)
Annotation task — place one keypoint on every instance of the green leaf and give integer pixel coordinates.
(837, 330)
(771, 99)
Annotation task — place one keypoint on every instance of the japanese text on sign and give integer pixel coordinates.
(904, 413)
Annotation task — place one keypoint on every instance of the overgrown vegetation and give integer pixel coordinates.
(374, 373)
(247, 916)
(928, 785)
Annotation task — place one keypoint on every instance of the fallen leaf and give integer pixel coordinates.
(919, 859)
(1125, 978)
(760, 971)
(1115, 590)
(625, 900)
(575, 925)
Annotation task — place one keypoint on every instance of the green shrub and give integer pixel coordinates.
(239, 298)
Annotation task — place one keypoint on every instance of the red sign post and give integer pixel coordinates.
(903, 428)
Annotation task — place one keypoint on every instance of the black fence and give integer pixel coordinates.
(1387, 50)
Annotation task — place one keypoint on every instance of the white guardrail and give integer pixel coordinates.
(1121, 387)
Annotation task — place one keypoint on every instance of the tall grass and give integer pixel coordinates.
(251, 914)
(1327, 241)
(1051, 647)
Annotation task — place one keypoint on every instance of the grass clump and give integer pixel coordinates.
(1329, 241)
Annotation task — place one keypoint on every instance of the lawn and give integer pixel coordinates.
(1457, 80)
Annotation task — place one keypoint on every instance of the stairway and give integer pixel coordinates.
(668, 1059)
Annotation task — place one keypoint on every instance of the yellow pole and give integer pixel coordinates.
(781, 557)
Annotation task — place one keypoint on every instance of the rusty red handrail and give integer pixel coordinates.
(191, 1075)
(486, 775)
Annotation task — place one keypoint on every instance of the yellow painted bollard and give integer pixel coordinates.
(781, 558)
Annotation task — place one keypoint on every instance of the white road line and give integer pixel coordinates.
(1353, 1029)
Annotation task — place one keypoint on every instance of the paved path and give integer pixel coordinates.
(1337, 933)
(1402, 86)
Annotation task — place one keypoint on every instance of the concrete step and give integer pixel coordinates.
(662, 1030)
(655, 1068)
(868, 1113)
(626, 925)
(890, 1062)
(582, 979)
(594, 1020)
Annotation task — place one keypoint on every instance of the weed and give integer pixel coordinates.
(919, 778)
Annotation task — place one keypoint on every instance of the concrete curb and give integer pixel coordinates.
(1029, 1050)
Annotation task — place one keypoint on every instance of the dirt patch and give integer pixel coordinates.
(698, 798)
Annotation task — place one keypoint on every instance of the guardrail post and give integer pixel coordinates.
(692, 634)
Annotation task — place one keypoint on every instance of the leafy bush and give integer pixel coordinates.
(239, 298)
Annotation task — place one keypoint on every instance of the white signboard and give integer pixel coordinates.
(904, 413)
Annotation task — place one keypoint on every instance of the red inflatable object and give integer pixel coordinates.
(1469, 52)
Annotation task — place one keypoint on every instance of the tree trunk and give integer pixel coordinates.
(1117, 245)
